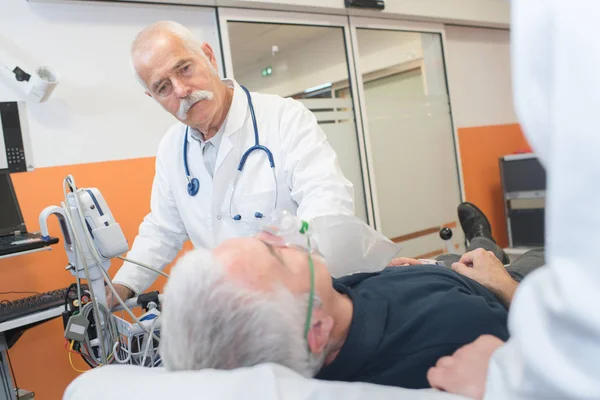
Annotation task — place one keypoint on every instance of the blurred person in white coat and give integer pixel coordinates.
(198, 193)
(554, 321)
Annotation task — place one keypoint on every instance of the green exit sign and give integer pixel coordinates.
(267, 71)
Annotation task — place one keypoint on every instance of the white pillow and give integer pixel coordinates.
(262, 382)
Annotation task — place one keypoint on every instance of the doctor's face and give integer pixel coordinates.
(184, 82)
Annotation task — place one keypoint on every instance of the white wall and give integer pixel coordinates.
(479, 74)
(98, 112)
(324, 60)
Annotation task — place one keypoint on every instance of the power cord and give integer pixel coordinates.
(14, 377)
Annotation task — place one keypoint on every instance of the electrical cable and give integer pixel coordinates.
(97, 257)
(158, 271)
(71, 359)
(121, 348)
(87, 276)
(14, 377)
(111, 327)
(100, 312)
(77, 280)
(88, 360)
(149, 343)
(71, 183)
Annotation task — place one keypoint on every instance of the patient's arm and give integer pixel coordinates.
(403, 261)
(485, 268)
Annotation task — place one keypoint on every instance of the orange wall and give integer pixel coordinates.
(480, 148)
(40, 362)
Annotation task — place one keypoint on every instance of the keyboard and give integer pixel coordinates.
(30, 305)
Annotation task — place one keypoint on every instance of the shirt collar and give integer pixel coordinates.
(365, 335)
(235, 117)
(197, 136)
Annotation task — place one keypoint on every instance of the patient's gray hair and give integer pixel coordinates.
(209, 321)
(142, 42)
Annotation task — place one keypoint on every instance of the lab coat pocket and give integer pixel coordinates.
(253, 207)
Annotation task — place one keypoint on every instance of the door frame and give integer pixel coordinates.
(226, 15)
(404, 26)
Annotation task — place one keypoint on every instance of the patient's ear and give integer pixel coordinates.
(320, 331)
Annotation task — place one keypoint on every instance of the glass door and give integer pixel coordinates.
(304, 57)
(409, 132)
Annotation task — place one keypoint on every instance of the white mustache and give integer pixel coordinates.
(187, 102)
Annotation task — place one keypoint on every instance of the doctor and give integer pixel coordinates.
(554, 322)
(233, 158)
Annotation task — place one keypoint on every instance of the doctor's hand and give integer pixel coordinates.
(465, 371)
(403, 262)
(123, 291)
(485, 268)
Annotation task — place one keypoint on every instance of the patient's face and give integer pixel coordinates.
(261, 266)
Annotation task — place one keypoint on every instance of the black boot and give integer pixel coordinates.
(474, 223)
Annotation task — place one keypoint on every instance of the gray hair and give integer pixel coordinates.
(189, 40)
(209, 321)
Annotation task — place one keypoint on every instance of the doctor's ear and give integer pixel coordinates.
(320, 331)
(208, 51)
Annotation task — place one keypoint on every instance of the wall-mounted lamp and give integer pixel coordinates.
(38, 86)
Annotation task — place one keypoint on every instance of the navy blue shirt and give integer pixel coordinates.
(406, 318)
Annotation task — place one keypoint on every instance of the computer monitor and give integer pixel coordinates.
(522, 173)
(524, 189)
(11, 219)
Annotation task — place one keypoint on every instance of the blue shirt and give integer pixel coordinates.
(406, 318)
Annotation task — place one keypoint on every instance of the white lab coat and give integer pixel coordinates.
(554, 320)
(309, 183)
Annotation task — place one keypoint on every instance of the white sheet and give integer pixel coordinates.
(263, 382)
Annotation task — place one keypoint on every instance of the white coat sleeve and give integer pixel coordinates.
(554, 322)
(313, 173)
(160, 238)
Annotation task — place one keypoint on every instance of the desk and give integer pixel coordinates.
(10, 332)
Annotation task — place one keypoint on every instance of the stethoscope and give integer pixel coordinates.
(193, 185)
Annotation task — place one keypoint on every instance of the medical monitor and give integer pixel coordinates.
(11, 219)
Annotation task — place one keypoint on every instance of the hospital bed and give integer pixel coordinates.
(262, 382)
(93, 238)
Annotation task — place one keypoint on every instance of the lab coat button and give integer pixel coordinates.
(219, 217)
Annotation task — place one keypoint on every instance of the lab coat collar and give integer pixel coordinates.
(237, 112)
(235, 117)
(365, 335)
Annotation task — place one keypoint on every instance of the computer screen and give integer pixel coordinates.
(523, 175)
(10, 214)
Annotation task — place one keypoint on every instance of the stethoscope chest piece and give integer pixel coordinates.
(193, 186)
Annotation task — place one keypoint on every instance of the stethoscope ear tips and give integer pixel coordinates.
(193, 187)
(238, 217)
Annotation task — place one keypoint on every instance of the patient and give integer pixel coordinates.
(245, 303)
